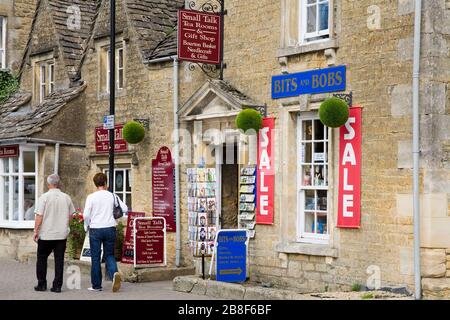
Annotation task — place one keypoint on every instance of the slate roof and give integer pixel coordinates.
(16, 124)
(155, 23)
(229, 89)
(74, 42)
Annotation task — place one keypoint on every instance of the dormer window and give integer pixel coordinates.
(45, 79)
(104, 71)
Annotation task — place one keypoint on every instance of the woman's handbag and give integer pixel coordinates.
(117, 211)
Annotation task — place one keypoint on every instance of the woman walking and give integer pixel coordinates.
(99, 221)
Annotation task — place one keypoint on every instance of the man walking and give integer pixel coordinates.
(53, 212)
(99, 221)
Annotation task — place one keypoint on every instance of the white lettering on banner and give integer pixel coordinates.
(263, 187)
(347, 187)
(351, 132)
(349, 155)
(264, 204)
(348, 203)
(265, 160)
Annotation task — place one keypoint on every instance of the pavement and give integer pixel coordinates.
(17, 281)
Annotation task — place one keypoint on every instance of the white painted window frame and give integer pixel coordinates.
(120, 68)
(42, 81)
(4, 22)
(306, 36)
(51, 77)
(303, 236)
(20, 223)
(124, 192)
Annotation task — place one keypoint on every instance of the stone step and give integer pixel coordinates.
(128, 272)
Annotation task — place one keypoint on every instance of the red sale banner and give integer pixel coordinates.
(349, 202)
(265, 173)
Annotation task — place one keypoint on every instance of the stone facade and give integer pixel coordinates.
(261, 41)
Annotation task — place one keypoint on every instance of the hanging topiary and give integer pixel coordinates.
(249, 119)
(133, 132)
(334, 112)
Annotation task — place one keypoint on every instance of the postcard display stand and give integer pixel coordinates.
(202, 210)
(247, 199)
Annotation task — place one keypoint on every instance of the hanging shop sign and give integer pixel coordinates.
(231, 255)
(309, 82)
(9, 151)
(163, 188)
(102, 140)
(199, 36)
(149, 241)
(349, 202)
(128, 242)
(265, 173)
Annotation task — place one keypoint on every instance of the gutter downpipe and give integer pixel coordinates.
(56, 170)
(177, 160)
(416, 149)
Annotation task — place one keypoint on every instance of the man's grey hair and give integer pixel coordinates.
(53, 179)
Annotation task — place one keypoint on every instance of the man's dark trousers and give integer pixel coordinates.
(45, 248)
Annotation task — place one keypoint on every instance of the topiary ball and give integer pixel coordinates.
(249, 119)
(133, 132)
(334, 112)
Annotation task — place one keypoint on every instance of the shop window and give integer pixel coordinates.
(3, 42)
(313, 168)
(105, 69)
(45, 79)
(18, 191)
(122, 185)
(306, 21)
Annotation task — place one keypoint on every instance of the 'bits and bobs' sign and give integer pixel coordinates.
(199, 38)
(309, 82)
(349, 202)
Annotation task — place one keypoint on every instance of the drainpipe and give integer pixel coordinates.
(177, 162)
(56, 169)
(416, 149)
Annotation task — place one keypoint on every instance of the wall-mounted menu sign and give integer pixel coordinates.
(102, 140)
(9, 151)
(163, 187)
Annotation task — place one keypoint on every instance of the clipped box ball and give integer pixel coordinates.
(249, 119)
(133, 132)
(334, 112)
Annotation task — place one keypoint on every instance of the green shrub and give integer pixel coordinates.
(8, 85)
(120, 231)
(356, 287)
(334, 112)
(133, 132)
(367, 296)
(249, 119)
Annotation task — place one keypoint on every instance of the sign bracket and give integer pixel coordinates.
(347, 97)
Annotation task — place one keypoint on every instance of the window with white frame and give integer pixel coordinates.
(3, 30)
(306, 21)
(105, 69)
(312, 182)
(46, 81)
(122, 185)
(315, 19)
(18, 188)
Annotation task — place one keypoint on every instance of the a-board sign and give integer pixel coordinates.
(149, 241)
(231, 248)
(86, 251)
(128, 242)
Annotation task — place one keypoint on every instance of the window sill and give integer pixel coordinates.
(25, 225)
(307, 48)
(307, 249)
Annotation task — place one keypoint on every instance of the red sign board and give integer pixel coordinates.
(9, 151)
(128, 242)
(163, 188)
(266, 173)
(102, 140)
(349, 202)
(199, 38)
(150, 241)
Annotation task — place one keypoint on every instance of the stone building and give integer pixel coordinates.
(262, 39)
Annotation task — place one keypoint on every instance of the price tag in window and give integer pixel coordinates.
(319, 157)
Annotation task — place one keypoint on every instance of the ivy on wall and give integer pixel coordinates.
(8, 85)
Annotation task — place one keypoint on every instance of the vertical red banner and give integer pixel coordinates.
(163, 187)
(349, 202)
(265, 173)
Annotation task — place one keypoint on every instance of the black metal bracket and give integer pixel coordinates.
(260, 109)
(347, 97)
(211, 70)
(145, 123)
(211, 6)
